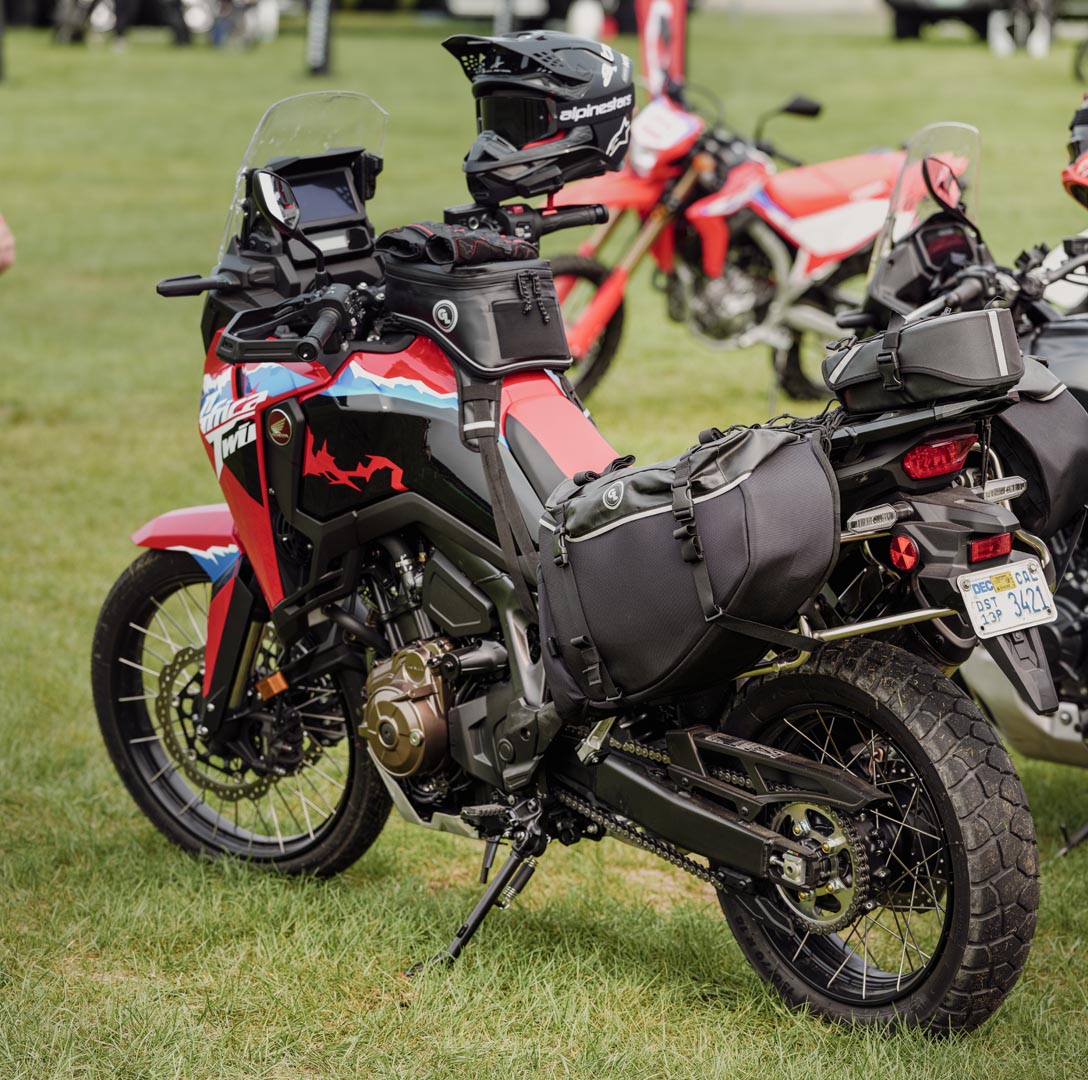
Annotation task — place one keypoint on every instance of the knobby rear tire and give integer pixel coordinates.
(969, 781)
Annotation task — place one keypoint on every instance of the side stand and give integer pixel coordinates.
(1073, 841)
(513, 876)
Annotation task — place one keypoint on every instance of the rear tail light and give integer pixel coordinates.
(938, 458)
(989, 547)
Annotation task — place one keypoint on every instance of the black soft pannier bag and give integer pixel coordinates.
(970, 354)
(492, 318)
(1044, 439)
(674, 577)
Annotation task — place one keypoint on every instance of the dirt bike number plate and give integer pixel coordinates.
(1007, 598)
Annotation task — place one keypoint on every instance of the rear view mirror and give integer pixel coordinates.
(277, 204)
(276, 201)
(802, 106)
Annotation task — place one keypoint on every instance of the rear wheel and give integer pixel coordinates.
(584, 277)
(307, 799)
(932, 930)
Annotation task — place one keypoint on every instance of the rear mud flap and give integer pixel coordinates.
(1020, 656)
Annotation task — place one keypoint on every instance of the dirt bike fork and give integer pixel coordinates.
(601, 308)
(522, 823)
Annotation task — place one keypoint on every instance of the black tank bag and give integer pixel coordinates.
(676, 576)
(970, 354)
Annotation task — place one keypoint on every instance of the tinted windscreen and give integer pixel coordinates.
(519, 120)
(325, 197)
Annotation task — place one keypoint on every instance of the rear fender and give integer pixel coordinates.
(944, 521)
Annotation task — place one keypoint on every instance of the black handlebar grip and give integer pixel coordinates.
(194, 284)
(965, 292)
(572, 217)
(310, 347)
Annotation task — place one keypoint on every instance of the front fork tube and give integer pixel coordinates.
(608, 297)
(235, 627)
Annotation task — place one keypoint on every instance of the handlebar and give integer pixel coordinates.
(312, 344)
(194, 284)
(571, 217)
(970, 289)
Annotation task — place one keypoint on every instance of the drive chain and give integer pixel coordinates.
(661, 848)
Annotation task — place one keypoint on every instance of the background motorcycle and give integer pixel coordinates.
(933, 258)
(271, 674)
(744, 255)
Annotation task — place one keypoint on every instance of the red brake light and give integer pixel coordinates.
(938, 458)
(989, 547)
(904, 553)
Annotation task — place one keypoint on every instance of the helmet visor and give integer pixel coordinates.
(519, 120)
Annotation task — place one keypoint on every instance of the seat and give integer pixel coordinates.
(810, 189)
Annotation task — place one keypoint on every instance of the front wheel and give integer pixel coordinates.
(578, 278)
(930, 916)
(302, 797)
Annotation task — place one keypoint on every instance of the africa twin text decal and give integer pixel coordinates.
(226, 425)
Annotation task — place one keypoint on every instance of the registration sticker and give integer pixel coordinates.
(1012, 598)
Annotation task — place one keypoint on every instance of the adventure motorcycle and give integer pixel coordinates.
(361, 623)
(745, 254)
(931, 258)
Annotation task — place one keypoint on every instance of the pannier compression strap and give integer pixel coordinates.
(691, 548)
(594, 670)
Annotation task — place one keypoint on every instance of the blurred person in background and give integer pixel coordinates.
(7, 245)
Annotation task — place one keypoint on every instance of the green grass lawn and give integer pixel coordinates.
(119, 956)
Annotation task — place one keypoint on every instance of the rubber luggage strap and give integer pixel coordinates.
(691, 549)
(593, 665)
(887, 361)
(518, 549)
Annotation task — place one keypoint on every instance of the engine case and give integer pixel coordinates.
(404, 720)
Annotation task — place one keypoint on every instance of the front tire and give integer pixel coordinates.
(316, 817)
(955, 914)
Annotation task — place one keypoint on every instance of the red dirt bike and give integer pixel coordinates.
(744, 254)
(357, 627)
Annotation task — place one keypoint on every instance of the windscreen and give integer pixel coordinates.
(310, 124)
(947, 156)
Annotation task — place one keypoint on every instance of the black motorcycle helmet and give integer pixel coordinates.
(550, 108)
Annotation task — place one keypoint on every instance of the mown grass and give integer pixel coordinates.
(120, 957)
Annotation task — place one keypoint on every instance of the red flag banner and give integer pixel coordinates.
(662, 29)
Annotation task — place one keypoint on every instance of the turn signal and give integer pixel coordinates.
(904, 553)
(938, 458)
(989, 547)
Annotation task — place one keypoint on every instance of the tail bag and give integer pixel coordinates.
(673, 577)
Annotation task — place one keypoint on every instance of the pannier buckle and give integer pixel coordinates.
(559, 547)
(691, 548)
(590, 657)
(887, 363)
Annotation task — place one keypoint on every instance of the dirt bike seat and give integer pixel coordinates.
(810, 189)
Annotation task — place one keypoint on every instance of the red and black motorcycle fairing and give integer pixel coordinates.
(312, 464)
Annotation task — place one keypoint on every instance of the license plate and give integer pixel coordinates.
(1007, 598)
